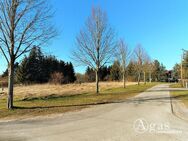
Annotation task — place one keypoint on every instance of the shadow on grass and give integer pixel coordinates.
(103, 100)
(51, 97)
(63, 106)
(138, 100)
(55, 97)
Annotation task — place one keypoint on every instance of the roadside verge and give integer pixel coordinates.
(179, 101)
(179, 109)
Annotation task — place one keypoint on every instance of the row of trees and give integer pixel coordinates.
(180, 71)
(97, 46)
(38, 68)
(114, 72)
(27, 23)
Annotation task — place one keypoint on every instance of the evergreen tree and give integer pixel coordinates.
(115, 73)
(176, 71)
(159, 72)
(35, 74)
(70, 73)
(50, 65)
(31, 69)
(131, 72)
(104, 73)
(163, 74)
(62, 67)
(90, 75)
(185, 65)
(37, 68)
(21, 73)
(156, 70)
(5, 73)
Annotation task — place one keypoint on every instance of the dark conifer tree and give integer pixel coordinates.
(5, 73)
(115, 72)
(37, 68)
(131, 71)
(71, 73)
(90, 75)
(22, 71)
(104, 73)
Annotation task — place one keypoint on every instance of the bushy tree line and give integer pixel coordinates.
(180, 70)
(114, 72)
(104, 74)
(182, 67)
(159, 72)
(38, 68)
(176, 72)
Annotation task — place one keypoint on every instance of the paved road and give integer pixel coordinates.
(147, 117)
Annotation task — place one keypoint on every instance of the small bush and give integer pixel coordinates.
(57, 78)
(3, 82)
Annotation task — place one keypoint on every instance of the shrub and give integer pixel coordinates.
(57, 78)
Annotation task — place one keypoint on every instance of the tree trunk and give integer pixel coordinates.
(144, 77)
(97, 81)
(138, 78)
(150, 76)
(10, 85)
(124, 80)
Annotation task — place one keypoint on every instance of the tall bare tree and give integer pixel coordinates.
(146, 66)
(151, 69)
(139, 57)
(123, 54)
(95, 43)
(23, 24)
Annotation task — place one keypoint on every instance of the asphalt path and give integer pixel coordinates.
(146, 117)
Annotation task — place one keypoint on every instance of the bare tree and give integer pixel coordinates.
(146, 66)
(151, 69)
(23, 24)
(123, 54)
(95, 43)
(139, 57)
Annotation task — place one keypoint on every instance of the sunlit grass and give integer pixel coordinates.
(43, 105)
(176, 85)
(181, 95)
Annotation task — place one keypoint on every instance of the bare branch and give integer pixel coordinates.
(23, 24)
(96, 42)
(4, 54)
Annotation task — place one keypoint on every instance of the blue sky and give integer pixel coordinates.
(161, 26)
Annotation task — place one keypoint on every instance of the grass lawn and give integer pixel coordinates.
(176, 85)
(180, 95)
(49, 104)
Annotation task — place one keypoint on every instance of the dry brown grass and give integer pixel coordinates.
(39, 100)
(69, 89)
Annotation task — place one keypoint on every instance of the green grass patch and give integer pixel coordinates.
(35, 106)
(176, 85)
(180, 95)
